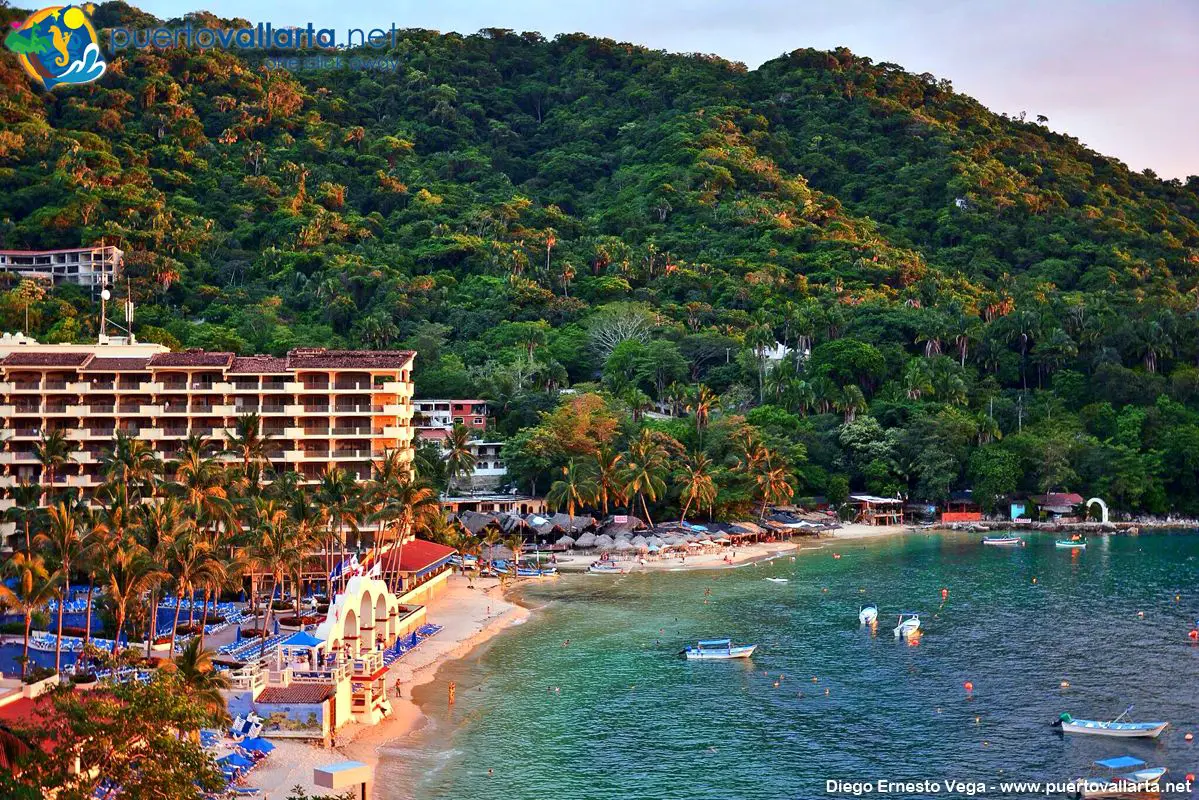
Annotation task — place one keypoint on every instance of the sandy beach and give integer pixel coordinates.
(471, 612)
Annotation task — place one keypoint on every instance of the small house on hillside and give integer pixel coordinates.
(1058, 506)
(960, 507)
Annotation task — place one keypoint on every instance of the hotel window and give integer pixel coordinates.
(457, 420)
(478, 420)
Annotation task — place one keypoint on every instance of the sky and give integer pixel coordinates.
(1120, 75)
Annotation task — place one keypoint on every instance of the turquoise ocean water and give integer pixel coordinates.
(616, 714)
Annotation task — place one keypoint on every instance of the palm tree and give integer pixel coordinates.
(701, 406)
(459, 459)
(190, 562)
(515, 543)
(34, 588)
(199, 479)
(53, 452)
(696, 483)
(774, 484)
(68, 538)
(608, 479)
(247, 441)
(277, 547)
(575, 489)
(26, 510)
(204, 683)
(130, 574)
(645, 463)
(130, 466)
(341, 498)
(490, 539)
(408, 508)
(158, 526)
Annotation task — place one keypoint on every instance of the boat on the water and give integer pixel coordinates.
(869, 615)
(1070, 544)
(717, 650)
(536, 572)
(777, 580)
(1115, 728)
(606, 568)
(1142, 781)
(908, 625)
(1006, 540)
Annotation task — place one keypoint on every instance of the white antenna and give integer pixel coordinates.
(105, 296)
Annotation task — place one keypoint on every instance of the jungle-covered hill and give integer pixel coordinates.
(985, 302)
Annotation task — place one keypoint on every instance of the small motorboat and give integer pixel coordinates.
(869, 615)
(1006, 540)
(777, 580)
(605, 567)
(1142, 781)
(1070, 544)
(1115, 728)
(536, 572)
(908, 625)
(717, 650)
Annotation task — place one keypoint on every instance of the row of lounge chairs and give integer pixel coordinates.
(405, 644)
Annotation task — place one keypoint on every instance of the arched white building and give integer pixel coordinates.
(364, 615)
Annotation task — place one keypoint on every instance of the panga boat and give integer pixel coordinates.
(1140, 782)
(1006, 540)
(868, 615)
(909, 623)
(606, 567)
(1070, 544)
(1115, 728)
(718, 650)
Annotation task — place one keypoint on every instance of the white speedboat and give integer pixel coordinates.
(1006, 540)
(777, 580)
(717, 650)
(1070, 544)
(868, 615)
(908, 625)
(605, 568)
(1115, 728)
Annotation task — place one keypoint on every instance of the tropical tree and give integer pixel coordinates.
(607, 470)
(276, 547)
(130, 574)
(645, 464)
(157, 526)
(459, 458)
(130, 468)
(191, 562)
(696, 484)
(247, 441)
(67, 538)
(26, 510)
(701, 404)
(340, 499)
(576, 488)
(53, 452)
(33, 588)
(408, 507)
(200, 680)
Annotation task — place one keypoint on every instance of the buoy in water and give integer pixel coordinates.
(968, 686)
(1034, 579)
(826, 692)
(1190, 737)
(944, 594)
(1193, 635)
(836, 555)
(1065, 684)
(814, 679)
(1140, 614)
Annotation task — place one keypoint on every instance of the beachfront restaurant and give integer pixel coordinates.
(872, 510)
(1058, 506)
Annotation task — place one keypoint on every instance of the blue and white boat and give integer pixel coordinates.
(1070, 544)
(718, 650)
(908, 625)
(1141, 781)
(1115, 728)
(868, 615)
(536, 572)
(606, 568)
(1005, 540)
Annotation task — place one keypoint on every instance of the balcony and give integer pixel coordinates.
(78, 410)
(100, 408)
(315, 409)
(245, 386)
(396, 432)
(293, 456)
(85, 457)
(174, 433)
(364, 452)
(154, 409)
(354, 408)
(7, 386)
(273, 408)
(293, 386)
(152, 386)
(358, 431)
(203, 408)
(25, 386)
(7, 481)
(276, 386)
(223, 411)
(25, 433)
(7, 411)
(55, 386)
(56, 409)
(293, 409)
(83, 480)
(78, 434)
(293, 433)
(222, 386)
(391, 410)
(79, 387)
(245, 408)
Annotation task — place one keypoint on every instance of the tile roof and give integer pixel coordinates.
(302, 693)
(44, 359)
(114, 364)
(318, 358)
(192, 358)
(258, 365)
(418, 555)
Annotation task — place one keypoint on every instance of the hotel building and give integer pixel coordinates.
(434, 420)
(317, 407)
(90, 267)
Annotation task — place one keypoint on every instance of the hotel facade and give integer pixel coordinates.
(317, 407)
(93, 268)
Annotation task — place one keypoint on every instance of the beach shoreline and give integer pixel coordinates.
(473, 612)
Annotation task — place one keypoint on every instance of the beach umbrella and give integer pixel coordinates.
(566, 541)
(604, 542)
(655, 541)
(586, 540)
(235, 760)
(623, 545)
(653, 548)
(640, 541)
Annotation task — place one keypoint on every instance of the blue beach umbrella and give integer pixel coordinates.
(258, 745)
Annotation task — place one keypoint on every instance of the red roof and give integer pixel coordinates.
(112, 364)
(1058, 499)
(417, 555)
(301, 693)
(258, 365)
(45, 359)
(319, 358)
(192, 358)
(23, 709)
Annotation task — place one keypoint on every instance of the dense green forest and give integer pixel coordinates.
(886, 285)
